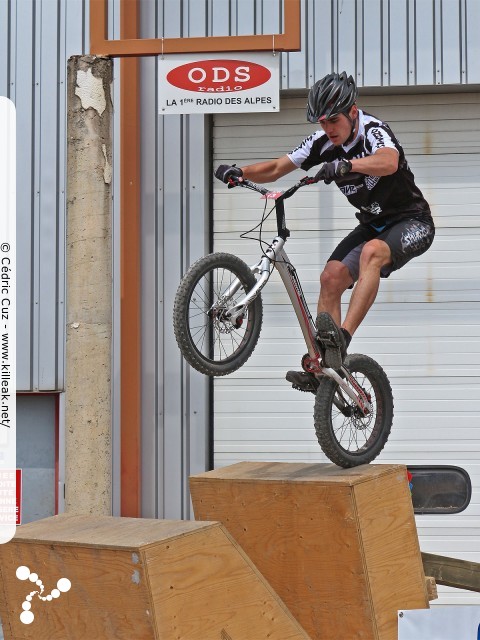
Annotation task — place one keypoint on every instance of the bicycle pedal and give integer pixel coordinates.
(297, 388)
(328, 339)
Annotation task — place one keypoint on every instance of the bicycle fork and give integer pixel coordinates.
(264, 269)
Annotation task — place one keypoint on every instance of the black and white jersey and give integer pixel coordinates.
(379, 200)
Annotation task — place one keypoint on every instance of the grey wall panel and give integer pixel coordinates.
(170, 22)
(174, 233)
(5, 46)
(152, 293)
(346, 27)
(74, 30)
(372, 17)
(23, 95)
(451, 29)
(36, 426)
(294, 68)
(39, 37)
(248, 17)
(319, 25)
(196, 18)
(173, 427)
(219, 20)
(472, 49)
(49, 201)
(424, 43)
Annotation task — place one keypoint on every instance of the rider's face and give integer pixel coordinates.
(339, 127)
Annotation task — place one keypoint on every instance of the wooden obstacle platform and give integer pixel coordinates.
(340, 547)
(104, 578)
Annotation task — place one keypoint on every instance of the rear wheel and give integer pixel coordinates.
(347, 437)
(210, 341)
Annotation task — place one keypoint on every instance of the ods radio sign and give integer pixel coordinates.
(218, 84)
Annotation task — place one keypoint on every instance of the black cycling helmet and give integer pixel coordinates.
(333, 94)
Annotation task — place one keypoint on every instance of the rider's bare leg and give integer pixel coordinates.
(375, 254)
(334, 281)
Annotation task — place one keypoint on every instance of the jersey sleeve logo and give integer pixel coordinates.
(379, 138)
(378, 134)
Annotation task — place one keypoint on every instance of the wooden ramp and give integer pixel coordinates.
(103, 578)
(340, 547)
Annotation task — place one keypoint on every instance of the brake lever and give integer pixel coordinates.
(233, 183)
(309, 180)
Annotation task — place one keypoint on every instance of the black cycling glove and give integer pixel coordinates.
(332, 170)
(225, 171)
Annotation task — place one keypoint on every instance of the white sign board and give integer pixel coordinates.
(440, 623)
(218, 83)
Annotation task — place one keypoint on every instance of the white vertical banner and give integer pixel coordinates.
(440, 623)
(218, 83)
(7, 320)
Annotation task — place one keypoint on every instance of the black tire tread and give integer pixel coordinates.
(323, 407)
(180, 313)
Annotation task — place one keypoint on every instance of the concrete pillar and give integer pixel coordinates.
(88, 411)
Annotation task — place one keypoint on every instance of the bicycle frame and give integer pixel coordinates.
(277, 256)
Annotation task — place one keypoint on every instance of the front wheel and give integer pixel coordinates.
(346, 436)
(209, 340)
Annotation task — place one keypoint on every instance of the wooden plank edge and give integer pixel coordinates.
(431, 587)
(452, 572)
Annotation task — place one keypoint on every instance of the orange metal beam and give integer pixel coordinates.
(132, 46)
(130, 358)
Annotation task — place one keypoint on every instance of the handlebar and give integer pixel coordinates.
(248, 184)
(282, 230)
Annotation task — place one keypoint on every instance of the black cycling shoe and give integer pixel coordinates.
(332, 340)
(303, 381)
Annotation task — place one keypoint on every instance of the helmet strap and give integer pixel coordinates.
(353, 122)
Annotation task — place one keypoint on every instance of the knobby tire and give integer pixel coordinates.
(352, 440)
(212, 345)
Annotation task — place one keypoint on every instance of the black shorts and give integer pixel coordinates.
(407, 239)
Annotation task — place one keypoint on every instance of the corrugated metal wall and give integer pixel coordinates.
(381, 42)
(175, 232)
(387, 42)
(36, 39)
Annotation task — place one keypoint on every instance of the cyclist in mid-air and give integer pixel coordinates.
(365, 160)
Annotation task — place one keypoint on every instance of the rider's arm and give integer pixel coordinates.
(383, 162)
(268, 171)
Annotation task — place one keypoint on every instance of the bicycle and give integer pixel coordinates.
(218, 316)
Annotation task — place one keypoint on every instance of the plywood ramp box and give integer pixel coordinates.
(136, 579)
(339, 546)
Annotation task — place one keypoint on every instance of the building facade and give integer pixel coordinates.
(417, 65)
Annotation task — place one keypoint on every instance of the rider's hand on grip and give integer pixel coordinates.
(225, 172)
(332, 170)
